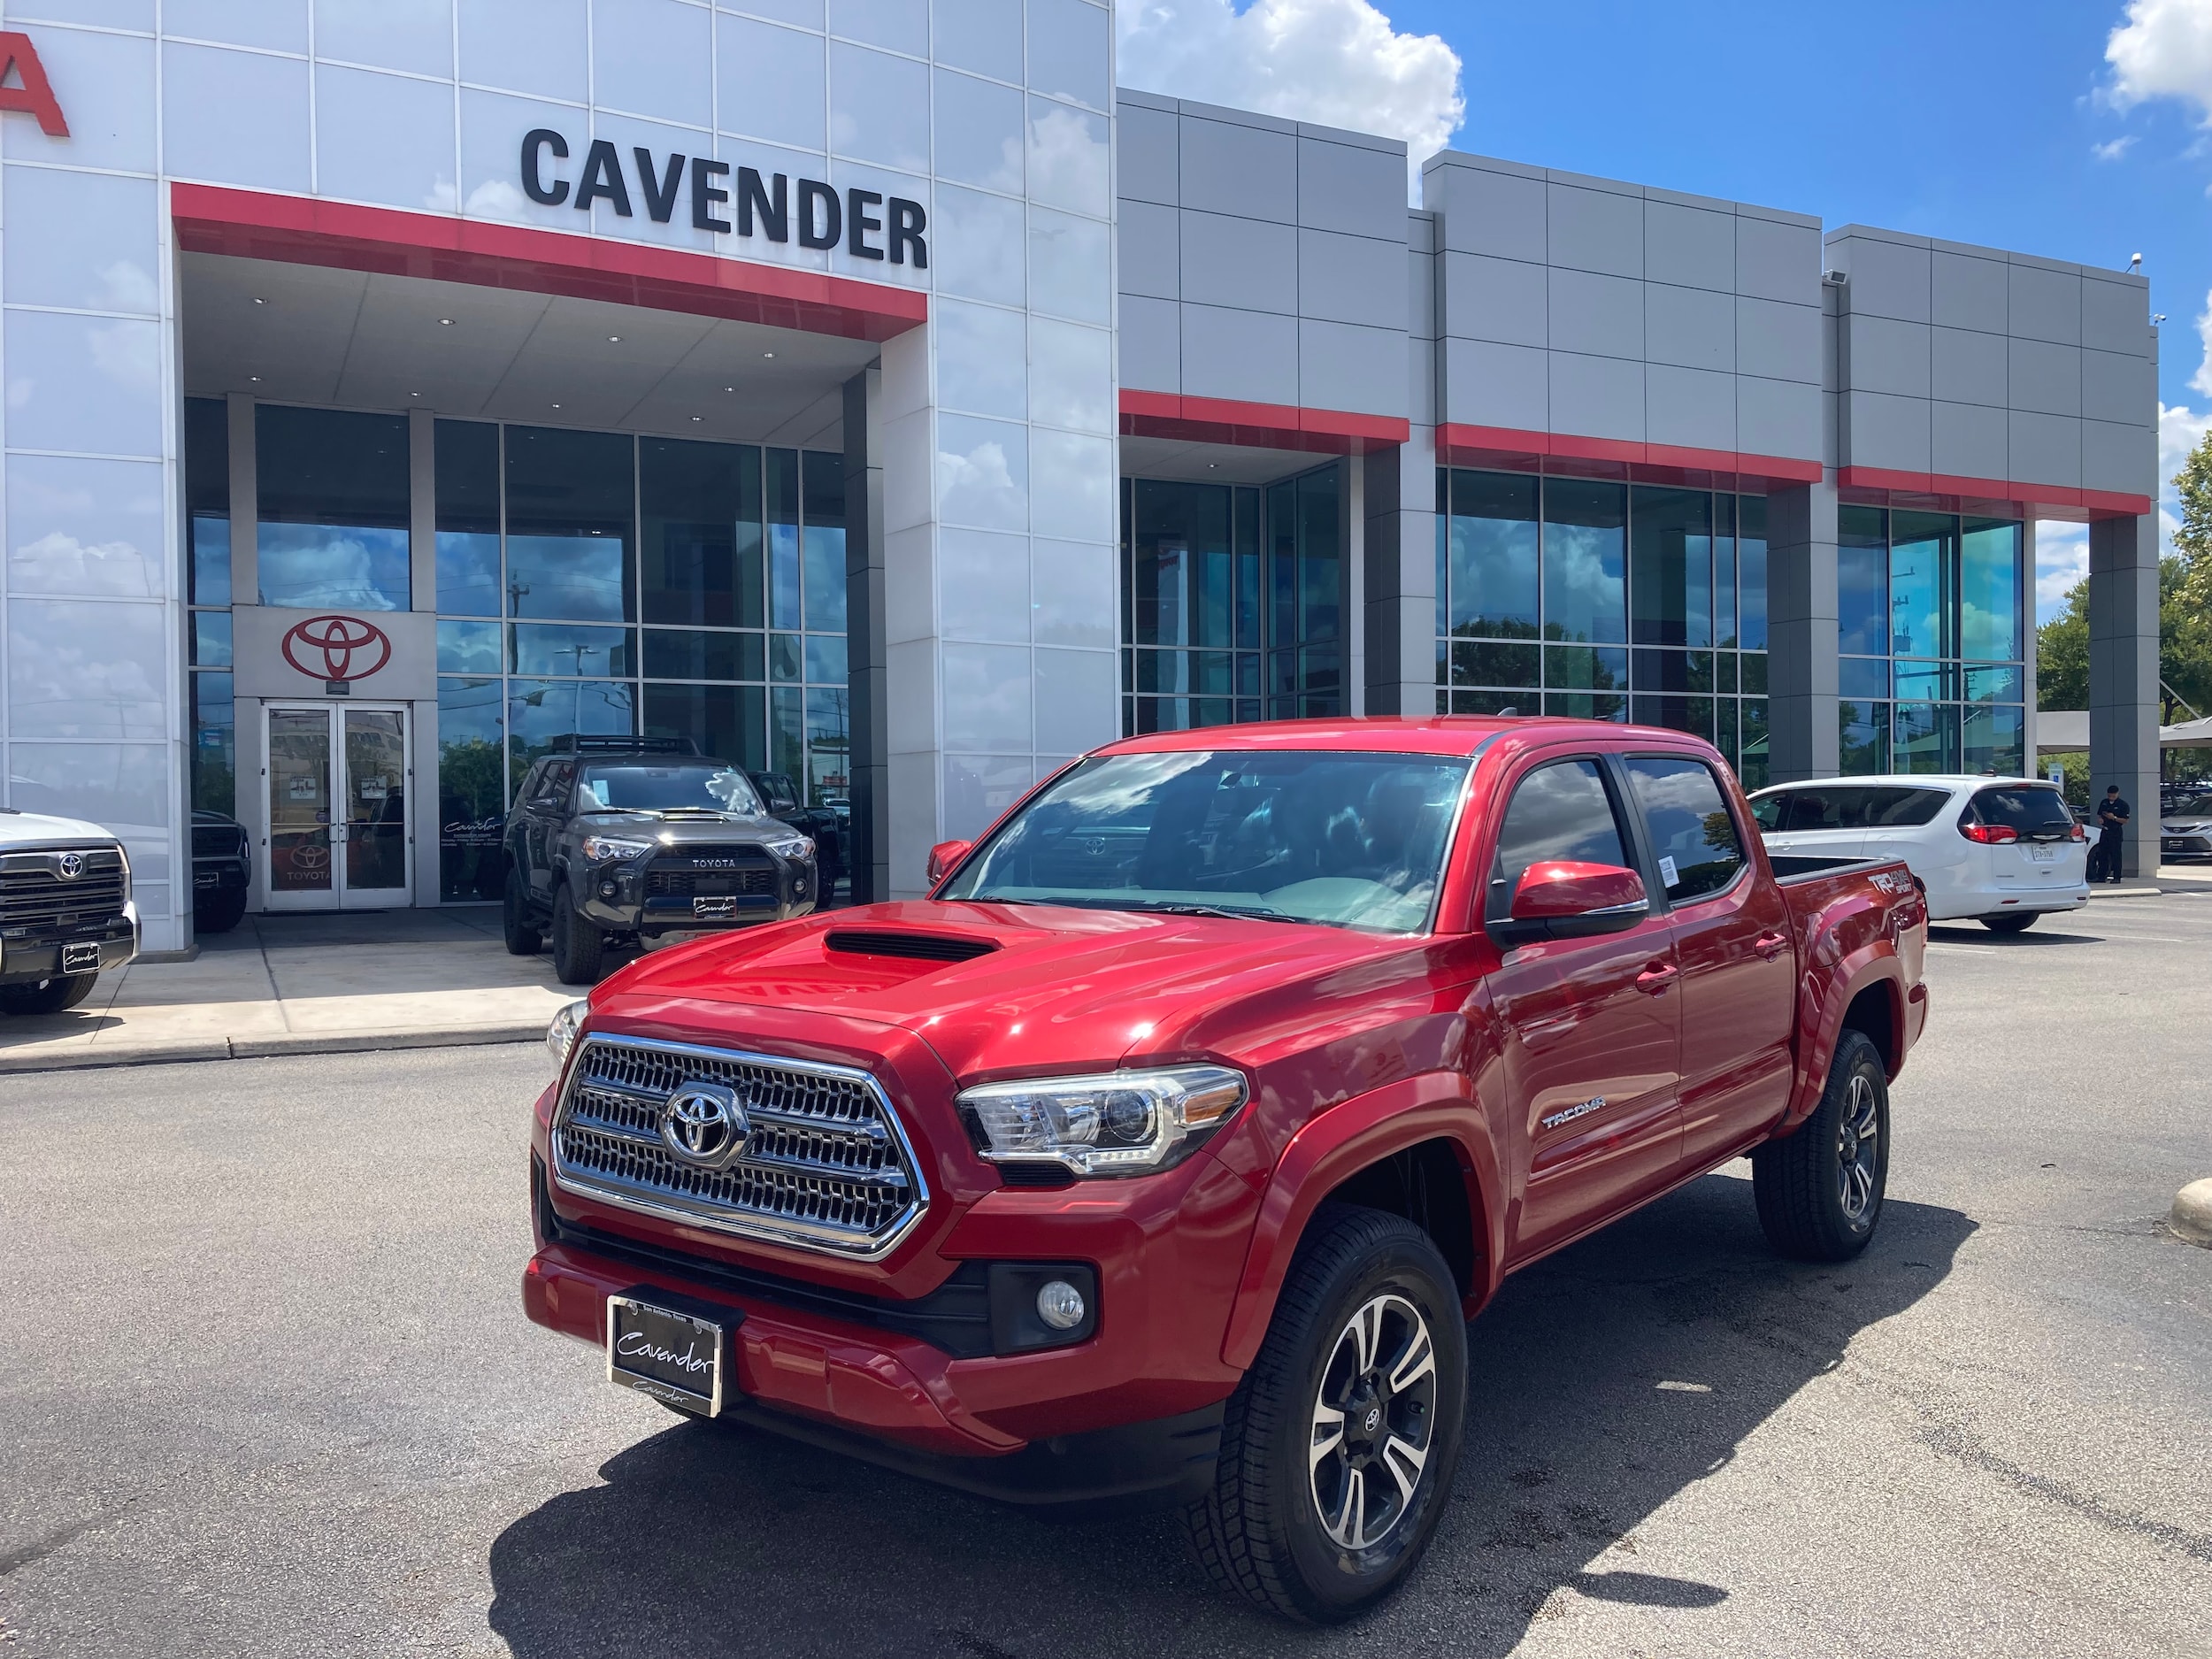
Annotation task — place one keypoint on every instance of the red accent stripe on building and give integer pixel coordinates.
(1461, 445)
(299, 230)
(1256, 426)
(1947, 492)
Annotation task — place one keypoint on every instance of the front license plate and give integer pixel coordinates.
(673, 1356)
(79, 958)
(724, 906)
(205, 879)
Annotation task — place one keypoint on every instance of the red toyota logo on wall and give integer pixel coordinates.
(348, 647)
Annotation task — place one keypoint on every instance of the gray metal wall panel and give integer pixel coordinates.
(2044, 449)
(1490, 385)
(1594, 230)
(1689, 246)
(1342, 365)
(1146, 168)
(1350, 278)
(1243, 263)
(1360, 192)
(1885, 431)
(1778, 262)
(1776, 341)
(1694, 327)
(1597, 397)
(1496, 213)
(2119, 457)
(1421, 297)
(1494, 299)
(1967, 292)
(1600, 315)
(1150, 243)
(2116, 387)
(1691, 407)
(1887, 279)
(2045, 304)
(1778, 418)
(2043, 377)
(1880, 354)
(1967, 440)
(1967, 367)
(2115, 315)
(1247, 354)
(1151, 345)
(1226, 168)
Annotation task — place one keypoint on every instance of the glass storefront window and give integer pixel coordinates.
(1492, 568)
(1995, 740)
(207, 500)
(214, 745)
(1725, 571)
(784, 609)
(1585, 562)
(555, 648)
(570, 511)
(699, 561)
(1751, 570)
(472, 790)
(209, 640)
(538, 710)
(1863, 581)
(465, 455)
(333, 515)
(1863, 678)
(1923, 574)
(1927, 737)
(1862, 734)
(1670, 579)
(469, 647)
(1989, 591)
(822, 542)
(695, 654)
(728, 722)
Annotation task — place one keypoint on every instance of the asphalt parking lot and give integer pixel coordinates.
(267, 1389)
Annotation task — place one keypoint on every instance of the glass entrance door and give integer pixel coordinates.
(338, 836)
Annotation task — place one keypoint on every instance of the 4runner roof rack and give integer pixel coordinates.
(580, 743)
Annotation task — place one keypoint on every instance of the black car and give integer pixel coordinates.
(822, 824)
(222, 871)
(615, 841)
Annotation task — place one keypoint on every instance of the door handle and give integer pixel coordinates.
(1655, 977)
(1771, 945)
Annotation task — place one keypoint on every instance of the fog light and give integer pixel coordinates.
(606, 889)
(1060, 1305)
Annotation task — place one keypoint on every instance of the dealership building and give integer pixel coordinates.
(870, 392)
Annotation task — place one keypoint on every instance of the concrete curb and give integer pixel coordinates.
(263, 1047)
(2192, 1215)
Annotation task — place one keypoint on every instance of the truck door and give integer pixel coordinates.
(1588, 1025)
(1732, 941)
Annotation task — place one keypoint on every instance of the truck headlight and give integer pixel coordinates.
(602, 846)
(560, 1035)
(1115, 1122)
(793, 846)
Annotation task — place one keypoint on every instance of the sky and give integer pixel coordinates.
(2079, 131)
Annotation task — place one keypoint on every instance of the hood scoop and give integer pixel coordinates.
(916, 947)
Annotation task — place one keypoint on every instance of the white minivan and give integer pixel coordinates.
(1998, 850)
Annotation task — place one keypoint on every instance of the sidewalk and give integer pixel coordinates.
(304, 983)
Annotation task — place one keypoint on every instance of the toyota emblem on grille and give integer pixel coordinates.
(71, 865)
(705, 1124)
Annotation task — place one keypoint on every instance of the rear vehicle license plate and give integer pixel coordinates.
(79, 958)
(2043, 855)
(724, 906)
(677, 1358)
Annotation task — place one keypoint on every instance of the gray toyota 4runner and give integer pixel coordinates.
(613, 842)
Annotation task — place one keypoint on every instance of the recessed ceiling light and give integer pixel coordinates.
(729, 389)
(259, 301)
(256, 379)
(614, 339)
(698, 417)
(445, 322)
(414, 393)
(556, 405)
(767, 354)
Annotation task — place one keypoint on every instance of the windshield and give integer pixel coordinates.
(1352, 840)
(2195, 803)
(637, 786)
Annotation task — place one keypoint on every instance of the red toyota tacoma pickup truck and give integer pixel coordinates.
(1166, 1148)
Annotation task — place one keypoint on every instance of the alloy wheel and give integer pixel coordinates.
(1858, 1148)
(1373, 1419)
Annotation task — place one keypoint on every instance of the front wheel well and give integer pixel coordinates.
(1427, 1184)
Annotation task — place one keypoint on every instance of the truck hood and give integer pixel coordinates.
(35, 829)
(684, 826)
(1044, 988)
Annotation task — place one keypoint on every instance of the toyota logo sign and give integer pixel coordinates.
(337, 649)
(704, 1124)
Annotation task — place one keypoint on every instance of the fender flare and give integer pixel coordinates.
(1337, 1145)
(1821, 1009)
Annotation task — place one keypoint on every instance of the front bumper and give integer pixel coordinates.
(658, 919)
(219, 875)
(28, 955)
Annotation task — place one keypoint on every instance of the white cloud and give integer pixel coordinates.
(2114, 148)
(2062, 559)
(2163, 51)
(1335, 63)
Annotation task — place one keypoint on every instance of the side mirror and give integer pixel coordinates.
(945, 857)
(1560, 899)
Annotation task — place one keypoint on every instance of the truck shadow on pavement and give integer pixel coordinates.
(1604, 1382)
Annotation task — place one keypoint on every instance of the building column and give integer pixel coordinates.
(1398, 485)
(2124, 678)
(1802, 638)
(868, 857)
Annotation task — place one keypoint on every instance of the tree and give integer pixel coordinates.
(2185, 645)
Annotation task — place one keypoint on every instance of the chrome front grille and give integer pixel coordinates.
(34, 892)
(826, 1166)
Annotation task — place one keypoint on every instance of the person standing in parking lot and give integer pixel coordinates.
(2112, 816)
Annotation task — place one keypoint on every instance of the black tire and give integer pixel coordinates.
(220, 911)
(2009, 924)
(1800, 1181)
(1261, 1532)
(523, 938)
(579, 949)
(64, 991)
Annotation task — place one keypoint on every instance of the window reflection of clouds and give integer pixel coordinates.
(305, 565)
